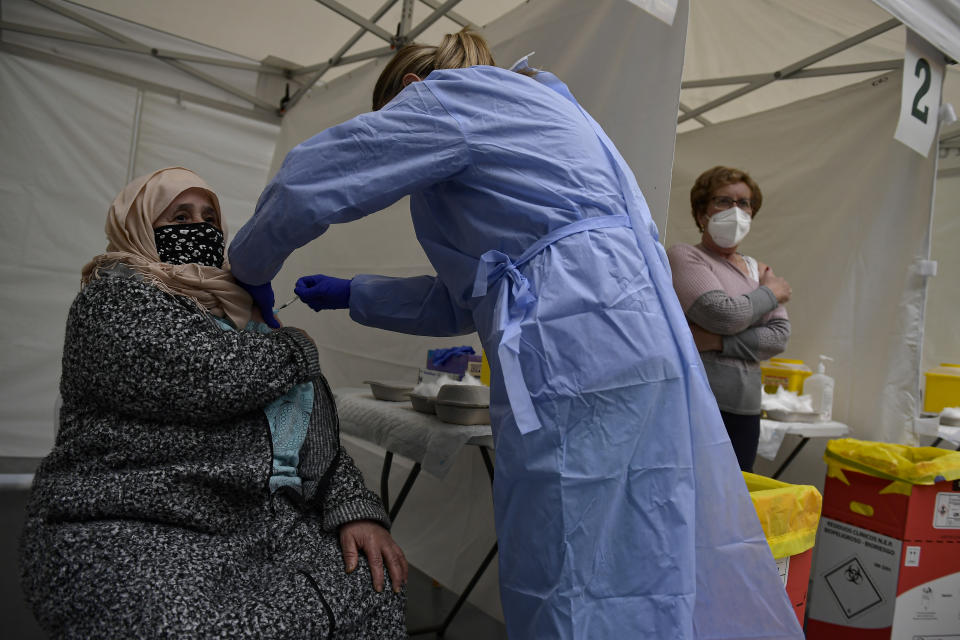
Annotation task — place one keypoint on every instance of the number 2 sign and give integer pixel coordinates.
(923, 69)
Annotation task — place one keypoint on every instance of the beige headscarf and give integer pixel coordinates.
(130, 240)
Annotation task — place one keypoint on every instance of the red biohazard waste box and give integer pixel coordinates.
(887, 563)
(788, 514)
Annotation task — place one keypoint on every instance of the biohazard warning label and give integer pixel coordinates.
(946, 511)
(851, 585)
(855, 576)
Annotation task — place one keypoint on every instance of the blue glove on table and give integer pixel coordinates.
(323, 292)
(262, 295)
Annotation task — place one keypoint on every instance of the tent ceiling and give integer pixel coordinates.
(303, 32)
(742, 56)
(337, 37)
(750, 42)
(78, 38)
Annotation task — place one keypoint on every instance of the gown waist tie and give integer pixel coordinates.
(509, 313)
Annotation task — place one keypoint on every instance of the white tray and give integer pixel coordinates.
(793, 416)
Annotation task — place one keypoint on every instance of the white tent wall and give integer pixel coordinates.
(49, 170)
(231, 152)
(66, 140)
(845, 218)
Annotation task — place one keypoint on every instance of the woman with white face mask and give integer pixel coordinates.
(734, 303)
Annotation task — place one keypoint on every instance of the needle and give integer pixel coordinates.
(288, 302)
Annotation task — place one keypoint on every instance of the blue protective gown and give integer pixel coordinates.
(620, 509)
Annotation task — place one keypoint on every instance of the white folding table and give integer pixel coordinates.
(775, 430)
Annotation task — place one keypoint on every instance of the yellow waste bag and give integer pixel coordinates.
(902, 464)
(789, 513)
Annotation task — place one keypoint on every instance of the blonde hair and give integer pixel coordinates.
(456, 51)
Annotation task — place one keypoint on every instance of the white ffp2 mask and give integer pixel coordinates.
(729, 227)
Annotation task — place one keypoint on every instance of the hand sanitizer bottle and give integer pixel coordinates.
(819, 387)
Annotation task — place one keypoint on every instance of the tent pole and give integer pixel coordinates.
(456, 17)
(791, 70)
(684, 108)
(135, 136)
(146, 85)
(138, 48)
(220, 84)
(438, 13)
(247, 66)
(319, 69)
(366, 55)
(334, 60)
(405, 35)
(96, 26)
(406, 21)
(864, 67)
(356, 18)
(927, 246)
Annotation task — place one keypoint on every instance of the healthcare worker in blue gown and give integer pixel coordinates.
(621, 513)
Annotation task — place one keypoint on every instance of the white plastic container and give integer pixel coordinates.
(464, 403)
(423, 404)
(819, 387)
(389, 391)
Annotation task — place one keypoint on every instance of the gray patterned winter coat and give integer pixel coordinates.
(152, 515)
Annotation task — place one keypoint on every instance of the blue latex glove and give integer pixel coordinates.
(323, 292)
(440, 356)
(262, 295)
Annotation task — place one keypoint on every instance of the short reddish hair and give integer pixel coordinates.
(712, 179)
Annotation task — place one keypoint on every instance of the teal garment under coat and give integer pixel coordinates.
(289, 419)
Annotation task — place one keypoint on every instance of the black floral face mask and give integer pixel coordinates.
(199, 242)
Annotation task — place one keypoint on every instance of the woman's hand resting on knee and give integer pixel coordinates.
(379, 547)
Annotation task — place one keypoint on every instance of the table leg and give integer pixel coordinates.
(936, 443)
(385, 485)
(441, 628)
(385, 480)
(793, 454)
(404, 490)
(487, 462)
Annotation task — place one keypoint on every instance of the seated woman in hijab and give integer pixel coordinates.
(197, 488)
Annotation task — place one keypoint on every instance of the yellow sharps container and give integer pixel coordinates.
(942, 388)
(484, 368)
(784, 372)
(789, 515)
